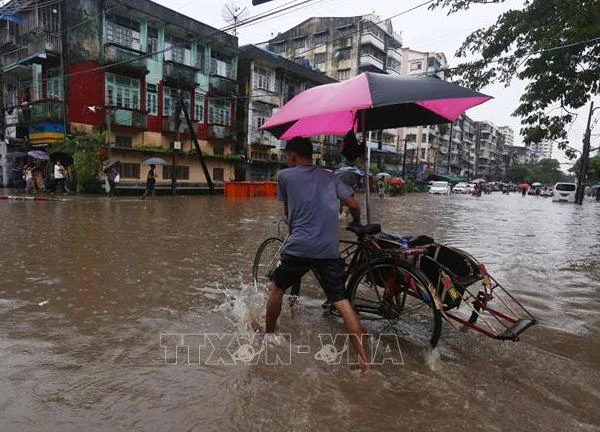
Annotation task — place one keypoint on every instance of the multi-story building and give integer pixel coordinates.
(428, 145)
(541, 150)
(82, 66)
(343, 47)
(267, 81)
(492, 155)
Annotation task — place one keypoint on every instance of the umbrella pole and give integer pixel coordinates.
(367, 160)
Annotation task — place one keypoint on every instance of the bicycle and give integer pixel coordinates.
(380, 282)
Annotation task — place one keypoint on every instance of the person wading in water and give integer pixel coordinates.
(310, 195)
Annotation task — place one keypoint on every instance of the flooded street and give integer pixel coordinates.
(89, 285)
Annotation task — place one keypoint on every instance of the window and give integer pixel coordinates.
(411, 137)
(124, 32)
(262, 78)
(199, 107)
(129, 170)
(170, 100)
(321, 38)
(220, 67)
(181, 172)
(123, 141)
(278, 47)
(343, 74)
(260, 120)
(343, 54)
(320, 59)
(218, 174)
(415, 65)
(566, 187)
(299, 43)
(422, 153)
(122, 92)
(54, 84)
(152, 99)
(176, 50)
(219, 112)
(152, 42)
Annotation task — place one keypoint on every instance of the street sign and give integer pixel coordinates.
(177, 145)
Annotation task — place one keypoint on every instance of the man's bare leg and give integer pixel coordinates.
(273, 307)
(354, 328)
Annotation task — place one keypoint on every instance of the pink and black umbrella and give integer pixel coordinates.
(386, 101)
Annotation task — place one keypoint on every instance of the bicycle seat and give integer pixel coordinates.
(363, 230)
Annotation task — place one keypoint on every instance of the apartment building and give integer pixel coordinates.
(267, 81)
(541, 150)
(81, 66)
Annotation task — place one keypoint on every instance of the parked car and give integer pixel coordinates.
(461, 188)
(564, 192)
(470, 188)
(439, 188)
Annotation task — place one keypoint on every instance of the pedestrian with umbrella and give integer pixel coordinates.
(59, 177)
(524, 187)
(151, 178)
(112, 177)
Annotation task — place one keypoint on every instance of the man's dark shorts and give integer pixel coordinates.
(330, 273)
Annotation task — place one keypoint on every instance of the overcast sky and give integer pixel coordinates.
(421, 29)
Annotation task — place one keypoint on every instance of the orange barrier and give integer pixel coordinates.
(247, 189)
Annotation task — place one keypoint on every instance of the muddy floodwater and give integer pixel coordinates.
(99, 298)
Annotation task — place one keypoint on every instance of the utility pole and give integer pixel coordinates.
(108, 131)
(450, 149)
(404, 159)
(178, 108)
(585, 157)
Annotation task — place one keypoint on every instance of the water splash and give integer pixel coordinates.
(245, 307)
(433, 359)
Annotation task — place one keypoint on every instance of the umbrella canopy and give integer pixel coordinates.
(112, 162)
(387, 101)
(64, 158)
(380, 175)
(16, 154)
(154, 161)
(39, 154)
(396, 181)
(536, 184)
(477, 181)
(350, 175)
(523, 186)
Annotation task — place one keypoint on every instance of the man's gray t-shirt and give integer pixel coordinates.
(312, 196)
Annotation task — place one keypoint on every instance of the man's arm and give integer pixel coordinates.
(354, 208)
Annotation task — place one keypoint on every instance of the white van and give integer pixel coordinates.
(439, 188)
(564, 192)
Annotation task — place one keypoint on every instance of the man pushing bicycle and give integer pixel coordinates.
(310, 196)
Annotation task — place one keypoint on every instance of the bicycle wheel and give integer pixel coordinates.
(399, 292)
(265, 263)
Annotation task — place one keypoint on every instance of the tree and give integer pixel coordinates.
(554, 45)
(594, 173)
(546, 171)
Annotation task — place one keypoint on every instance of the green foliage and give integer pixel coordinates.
(551, 44)
(546, 171)
(594, 172)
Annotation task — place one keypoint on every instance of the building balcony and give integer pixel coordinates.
(169, 126)
(222, 85)
(126, 117)
(371, 39)
(369, 62)
(46, 42)
(219, 132)
(392, 71)
(395, 54)
(179, 73)
(43, 111)
(262, 139)
(266, 97)
(123, 59)
(7, 38)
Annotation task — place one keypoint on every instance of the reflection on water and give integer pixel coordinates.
(88, 286)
